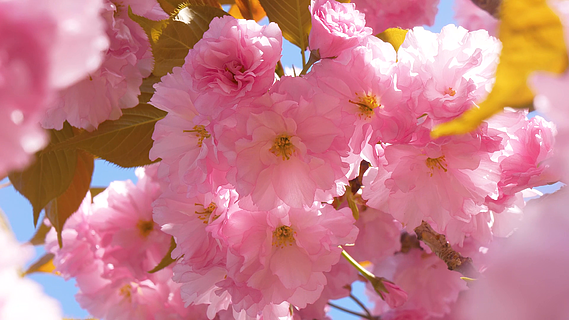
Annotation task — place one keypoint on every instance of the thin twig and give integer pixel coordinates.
(356, 300)
(6, 184)
(439, 245)
(314, 57)
(349, 311)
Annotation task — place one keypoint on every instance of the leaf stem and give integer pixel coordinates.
(349, 311)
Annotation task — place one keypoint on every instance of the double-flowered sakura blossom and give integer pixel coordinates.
(43, 47)
(103, 93)
(383, 14)
(335, 27)
(21, 298)
(471, 17)
(110, 245)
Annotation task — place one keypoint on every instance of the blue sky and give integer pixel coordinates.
(19, 211)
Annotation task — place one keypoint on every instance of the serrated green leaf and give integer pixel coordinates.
(171, 39)
(293, 18)
(50, 175)
(43, 264)
(39, 236)
(167, 260)
(125, 142)
(61, 208)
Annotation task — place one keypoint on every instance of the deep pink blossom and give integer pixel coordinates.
(395, 297)
(406, 14)
(234, 59)
(335, 27)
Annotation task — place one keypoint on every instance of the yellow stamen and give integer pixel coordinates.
(450, 91)
(366, 104)
(201, 133)
(283, 147)
(126, 291)
(282, 236)
(206, 213)
(437, 163)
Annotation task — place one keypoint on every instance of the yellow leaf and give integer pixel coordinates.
(44, 264)
(395, 36)
(532, 39)
(293, 17)
(249, 9)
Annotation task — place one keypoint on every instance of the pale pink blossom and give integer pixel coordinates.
(235, 59)
(282, 255)
(406, 14)
(455, 69)
(115, 85)
(190, 162)
(335, 27)
(291, 149)
(471, 17)
(363, 81)
(431, 288)
(21, 298)
(526, 277)
(440, 181)
(109, 247)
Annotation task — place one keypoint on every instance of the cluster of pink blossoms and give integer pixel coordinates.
(109, 246)
(251, 163)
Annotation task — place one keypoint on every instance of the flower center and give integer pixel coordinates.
(201, 133)
(450, 91)
(366, 104)
(206, 213)
(282, 236)
(437, 163)
(126, 291)
(145, 227)
(283, 147)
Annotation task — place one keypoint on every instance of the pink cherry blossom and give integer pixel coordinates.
(471, 17)
(406, 14)
(115, 85)
(455, 69)
(291, 151)
(235, 58)
(282, 255)
(190, 162)
(109, 247)
(21, 298)
(363, 81)
(335, 27)
(443, 180)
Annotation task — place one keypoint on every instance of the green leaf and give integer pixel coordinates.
(167, 260)
(125, 142)
(50, 175)
(61, 208)
(39, 236)
(44, 264)
(292, 17)
(171, 39)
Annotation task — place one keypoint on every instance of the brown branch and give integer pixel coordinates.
(439, 245)
(490, 6)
